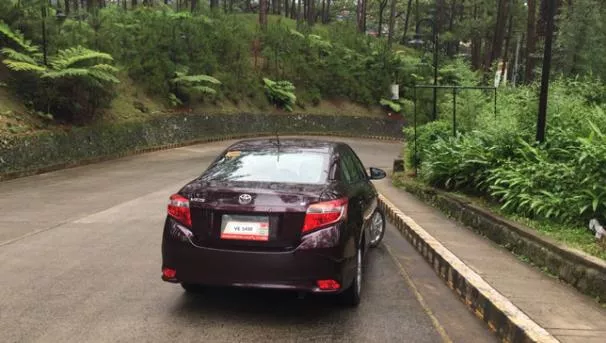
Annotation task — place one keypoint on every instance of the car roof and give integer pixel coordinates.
(285, 143)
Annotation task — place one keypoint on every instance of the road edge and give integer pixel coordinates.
(210, 139)
(501, 316)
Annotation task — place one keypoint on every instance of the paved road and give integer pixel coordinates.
(80, 262)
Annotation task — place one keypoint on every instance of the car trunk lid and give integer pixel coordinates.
(259, 216)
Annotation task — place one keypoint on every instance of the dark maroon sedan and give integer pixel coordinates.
(282, 214)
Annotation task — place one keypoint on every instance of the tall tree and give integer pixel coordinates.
(382, 5)
(406, 21)
(531, 39)
(311, 13)
(327, 12)
(453, 43)
(499, 33)
(392, 22)
(263, 14)
(361, 15)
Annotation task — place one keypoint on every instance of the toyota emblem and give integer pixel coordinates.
(245, 199)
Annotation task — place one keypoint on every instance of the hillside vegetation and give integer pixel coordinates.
(113, 64)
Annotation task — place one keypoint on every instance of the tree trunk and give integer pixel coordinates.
(133, 4)
(382, 6)
(67, 7)
(408, 10)
(194, 5)
(365, 5)
(476, 45)
(451, 45)
(286, 8)
(298, 13)
(505, 55)
(440, 14)
(359, 15)
(499, 33)
(263, 14)
(327, 13)
(392, 23)
(323, 10)
(312, 13)
(293, 9)
(531, 40)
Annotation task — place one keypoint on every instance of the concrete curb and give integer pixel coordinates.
(55, 167)
(584, 272)
(500, 315)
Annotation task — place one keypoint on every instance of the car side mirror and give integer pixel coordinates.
(377, 174)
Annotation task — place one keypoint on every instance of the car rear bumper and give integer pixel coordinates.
(297, 269)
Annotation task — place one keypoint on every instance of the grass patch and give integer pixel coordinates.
(575, 237)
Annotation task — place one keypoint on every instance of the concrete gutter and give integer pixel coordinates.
(501, 316)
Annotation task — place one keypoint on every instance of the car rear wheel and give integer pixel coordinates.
(377, 228)
(192, 287)
(351, 296)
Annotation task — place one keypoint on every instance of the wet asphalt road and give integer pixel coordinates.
(80, 262)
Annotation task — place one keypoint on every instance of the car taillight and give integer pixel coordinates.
(325, 213)
(178, 208)
(328, 285)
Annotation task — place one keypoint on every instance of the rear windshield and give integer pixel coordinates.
(304, 167)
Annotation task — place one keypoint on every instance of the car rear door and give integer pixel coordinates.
(354, 181)
(370, 193)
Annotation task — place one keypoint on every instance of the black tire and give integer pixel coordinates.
(192, 287)
(375, 243)
(351, 296)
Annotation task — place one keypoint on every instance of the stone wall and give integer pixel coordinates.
(50, 150)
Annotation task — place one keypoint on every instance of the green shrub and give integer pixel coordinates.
(427, 135)
(463, 162)
(281, 93)
(73, 85)
(561, 179)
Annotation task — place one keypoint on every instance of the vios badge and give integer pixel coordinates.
(245, 199)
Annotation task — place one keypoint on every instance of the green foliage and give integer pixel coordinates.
(186, 85)
(395, 106)
(281, 93)
(459, 163)
(561, 179)
(581, 39)
(427, 135)
(75, 83)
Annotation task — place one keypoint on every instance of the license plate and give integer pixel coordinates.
(245, 228)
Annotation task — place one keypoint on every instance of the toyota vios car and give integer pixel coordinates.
(281, 214)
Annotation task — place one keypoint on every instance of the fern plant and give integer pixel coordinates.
(75, 82)
(280, 93)
(185, 86)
